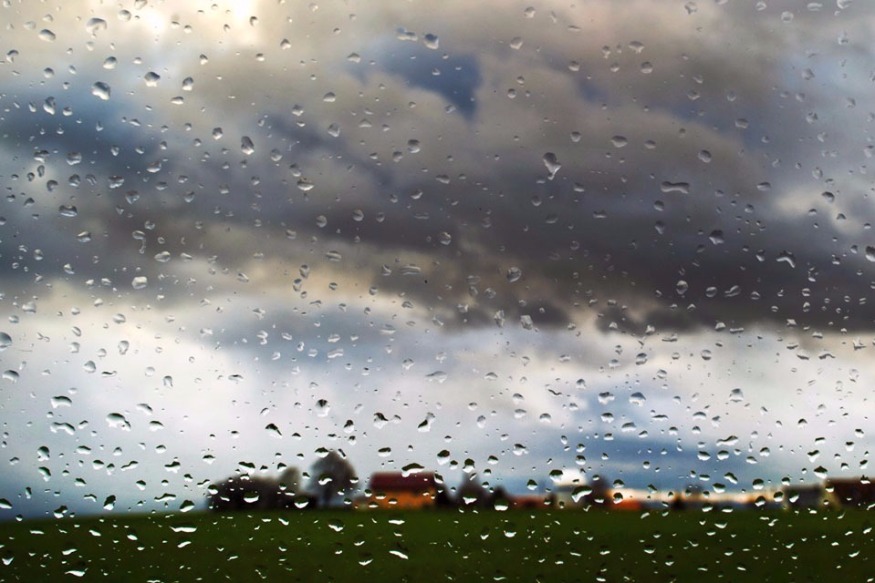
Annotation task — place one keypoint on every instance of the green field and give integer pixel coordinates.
(434, 546)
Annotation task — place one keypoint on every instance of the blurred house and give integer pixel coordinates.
(398, 490)
(807, 496)
(853, 492)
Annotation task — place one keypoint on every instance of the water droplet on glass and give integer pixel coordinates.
(431, 41)
(5, 341)
(514, 274)
(637, 398)
(118, 421)
(682, 287)
(246, 145)
(870, 253)
(101, 90)
(679, 187)
(46, 35)
(95, 25)
(552, 164)
(140, 282)
(151, 78)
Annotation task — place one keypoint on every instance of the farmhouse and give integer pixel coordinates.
(398, 490)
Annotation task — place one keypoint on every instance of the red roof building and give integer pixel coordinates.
(398, 490)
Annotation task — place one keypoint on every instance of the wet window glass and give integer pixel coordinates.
(474, 290)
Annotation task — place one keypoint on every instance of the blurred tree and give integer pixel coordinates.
(244, 493)
(290, 480)
(471, 492)
(333, 478)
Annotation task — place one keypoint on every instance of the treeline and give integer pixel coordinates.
(332, 478)
(333, 483)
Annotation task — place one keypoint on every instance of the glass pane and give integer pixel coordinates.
(491, 287)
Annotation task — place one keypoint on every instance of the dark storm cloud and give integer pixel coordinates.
(634, 215)
(454, 77)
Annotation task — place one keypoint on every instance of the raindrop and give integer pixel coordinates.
(46, 35)
(552, 164)
(679, 187)
(67, 211)
(870, 253)
(438, 376)
(246, 145)
(101, 90)
(94, 25)
(118, 420)
(5, 341)
(140, 282)
(514, 274)
(637, 398)
(431, 41)
(152, 79)
(682, 287)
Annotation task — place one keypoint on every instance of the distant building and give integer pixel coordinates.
(807, 496)
(852, 492)
(397, 490)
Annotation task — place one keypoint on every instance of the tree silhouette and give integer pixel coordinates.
(333, 477)
(471, 492)
(244, 493)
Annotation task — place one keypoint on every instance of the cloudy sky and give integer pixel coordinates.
(621, 238)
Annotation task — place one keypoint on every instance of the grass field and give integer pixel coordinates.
(435, 546)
